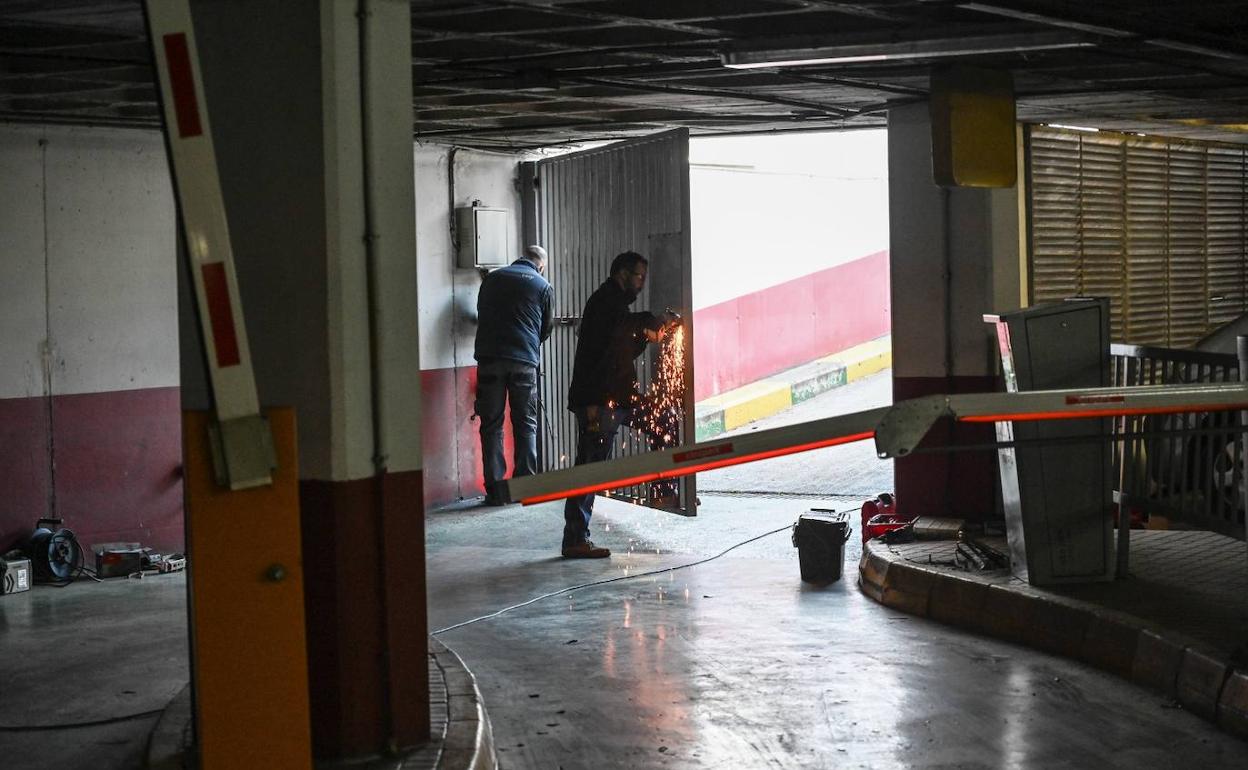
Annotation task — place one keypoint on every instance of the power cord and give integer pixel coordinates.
(607, 580)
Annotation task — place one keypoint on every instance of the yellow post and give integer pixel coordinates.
(248, 644)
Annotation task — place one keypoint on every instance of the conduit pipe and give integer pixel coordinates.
(376, 353)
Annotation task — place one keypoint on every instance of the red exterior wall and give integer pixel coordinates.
(118, 460)
(738, 342)
(755, 335)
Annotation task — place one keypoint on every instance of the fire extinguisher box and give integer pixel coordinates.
(819, 536)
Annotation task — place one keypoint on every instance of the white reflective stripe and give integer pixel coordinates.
(198, 187)
(899, 423)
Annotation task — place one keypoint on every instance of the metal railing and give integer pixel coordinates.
(1187, 467)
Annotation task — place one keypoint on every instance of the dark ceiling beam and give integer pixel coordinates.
(1078, 17)
(609, 19)
(724, 93)
(608, 125)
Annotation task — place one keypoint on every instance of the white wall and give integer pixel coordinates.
(92, 211)
(768, 209)
(448, 295)
(23, 311)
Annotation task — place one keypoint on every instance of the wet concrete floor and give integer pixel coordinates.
(736, 663)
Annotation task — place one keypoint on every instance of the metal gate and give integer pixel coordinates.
(585, 208)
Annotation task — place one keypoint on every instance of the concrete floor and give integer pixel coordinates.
(736, 663)
(90, 652)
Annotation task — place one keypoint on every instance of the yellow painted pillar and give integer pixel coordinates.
(247, 617)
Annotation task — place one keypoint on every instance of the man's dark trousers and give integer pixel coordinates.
(500, 381)
(594, 443)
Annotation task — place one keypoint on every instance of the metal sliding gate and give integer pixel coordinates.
(585, 208)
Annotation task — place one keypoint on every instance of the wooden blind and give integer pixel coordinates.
(1158, 226)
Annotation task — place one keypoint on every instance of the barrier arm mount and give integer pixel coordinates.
(897, 430)
(242, 443)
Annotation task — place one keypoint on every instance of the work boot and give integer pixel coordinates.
(585, 550)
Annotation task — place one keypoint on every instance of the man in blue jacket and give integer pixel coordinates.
(513, 320)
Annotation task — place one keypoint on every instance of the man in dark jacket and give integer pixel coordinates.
(513, 320)
(604, 387)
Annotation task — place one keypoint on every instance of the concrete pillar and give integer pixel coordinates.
(292, 102)
(954, 257)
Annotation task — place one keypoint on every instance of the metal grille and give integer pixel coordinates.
(1158, 226)
(1187, 467)
(591, 206)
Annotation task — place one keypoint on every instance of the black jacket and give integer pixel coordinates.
(513, 314)
(609, 339)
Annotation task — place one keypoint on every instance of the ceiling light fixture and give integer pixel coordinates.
(1088, 129)
(927, 48)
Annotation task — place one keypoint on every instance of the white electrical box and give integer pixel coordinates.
(482, 234)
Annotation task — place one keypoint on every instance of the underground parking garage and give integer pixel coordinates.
(252, 179)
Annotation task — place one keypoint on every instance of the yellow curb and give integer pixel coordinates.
(860, 369)
(767, 397)
(865, 359)
(756, 401)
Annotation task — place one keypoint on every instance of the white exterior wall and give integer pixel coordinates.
(92, 210)
(448, 294)
(769, 209)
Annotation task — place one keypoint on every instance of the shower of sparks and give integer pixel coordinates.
(660, 412)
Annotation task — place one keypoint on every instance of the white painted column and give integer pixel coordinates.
(288, 86)
(954, 257)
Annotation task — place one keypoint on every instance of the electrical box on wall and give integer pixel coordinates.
(482, 233)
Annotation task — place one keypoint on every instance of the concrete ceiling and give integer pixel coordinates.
(518, 74)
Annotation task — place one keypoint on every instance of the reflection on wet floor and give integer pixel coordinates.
(736, 663)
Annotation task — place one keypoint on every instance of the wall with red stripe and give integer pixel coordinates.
(448, 300)
(747, 338)
(89, 398)
(738, 342)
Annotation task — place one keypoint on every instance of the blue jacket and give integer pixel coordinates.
(513, 314)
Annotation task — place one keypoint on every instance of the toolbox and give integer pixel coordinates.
(118, 559)
(15, 576)
(819, 536)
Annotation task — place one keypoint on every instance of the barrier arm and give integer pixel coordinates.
(897, 430)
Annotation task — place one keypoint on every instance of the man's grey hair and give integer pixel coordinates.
(535, 254)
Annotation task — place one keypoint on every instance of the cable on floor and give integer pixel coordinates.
(72, 725)
(607, 580)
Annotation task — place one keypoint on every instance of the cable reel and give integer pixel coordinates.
(55, 553)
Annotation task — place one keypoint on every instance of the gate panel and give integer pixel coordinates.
(591, 206)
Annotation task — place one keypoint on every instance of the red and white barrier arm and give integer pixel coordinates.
(897, 430)
(243, 436)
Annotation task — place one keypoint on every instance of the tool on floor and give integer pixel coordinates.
(15, 575)
(880, 516)
(117, 559)
(973, 554)
(55, 554)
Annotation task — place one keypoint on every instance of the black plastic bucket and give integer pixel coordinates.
(819, 536)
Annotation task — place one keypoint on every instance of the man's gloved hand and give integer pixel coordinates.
(671, 319)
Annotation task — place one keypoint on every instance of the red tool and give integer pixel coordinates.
(880, 515)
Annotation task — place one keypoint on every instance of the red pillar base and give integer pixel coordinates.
(367, 614)
(960, 484)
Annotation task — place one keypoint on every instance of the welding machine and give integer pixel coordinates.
(14, 576)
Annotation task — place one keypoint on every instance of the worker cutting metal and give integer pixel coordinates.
(604, 392)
